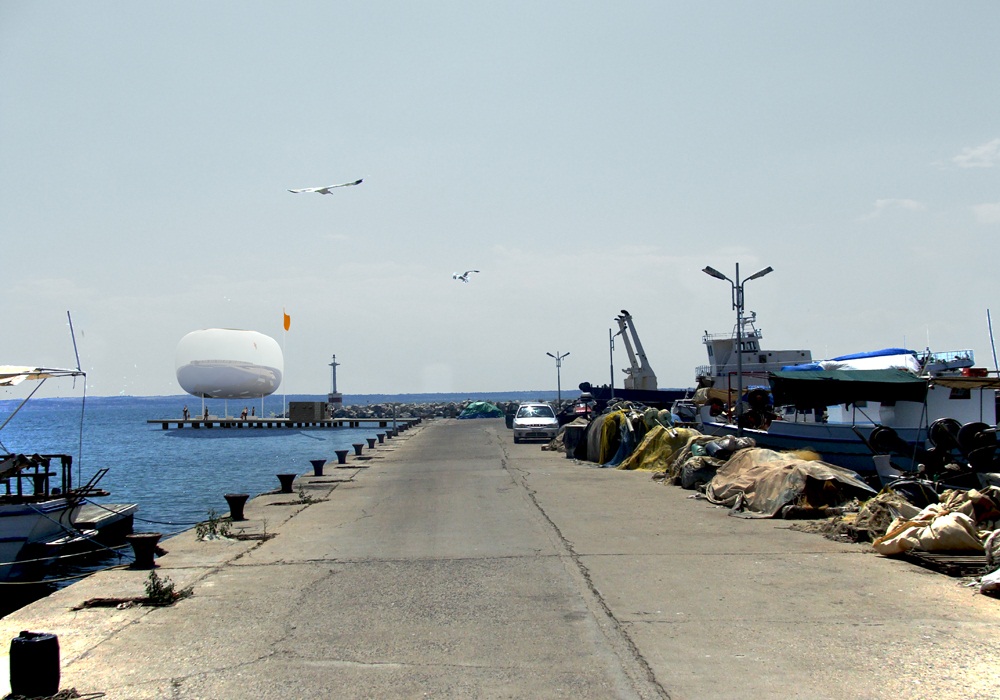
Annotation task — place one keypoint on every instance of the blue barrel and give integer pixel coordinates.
(34, 664)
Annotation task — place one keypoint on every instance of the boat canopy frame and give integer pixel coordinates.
(12, 375)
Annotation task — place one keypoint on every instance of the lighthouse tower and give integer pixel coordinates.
(335, 401)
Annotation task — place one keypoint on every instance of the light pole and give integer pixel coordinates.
(558, 359)
(737, 290)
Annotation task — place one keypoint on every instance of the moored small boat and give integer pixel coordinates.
(40, 507)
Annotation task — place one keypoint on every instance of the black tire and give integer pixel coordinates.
(758, 399)
(943, 433)
(972, 437)
(883, 440)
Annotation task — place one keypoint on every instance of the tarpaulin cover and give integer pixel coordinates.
(762, 482)
(935, 529)
(831, 387)
(659, 448)
(884, 352)
(481, 409)
(620, 433)
(887, 358)
(962, 521)
(631, 430)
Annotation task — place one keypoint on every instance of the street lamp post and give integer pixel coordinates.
(558, 359)
(737, 291)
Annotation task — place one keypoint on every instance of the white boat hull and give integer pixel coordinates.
(25, 525)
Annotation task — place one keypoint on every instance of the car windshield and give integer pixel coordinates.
(535, 412)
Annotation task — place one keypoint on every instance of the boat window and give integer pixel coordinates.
(960, 394)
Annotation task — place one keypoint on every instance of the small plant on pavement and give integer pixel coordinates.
(213, 528)
(160, 591)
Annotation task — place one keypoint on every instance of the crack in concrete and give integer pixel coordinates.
(634, 664)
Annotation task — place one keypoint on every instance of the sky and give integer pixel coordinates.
(586, 157)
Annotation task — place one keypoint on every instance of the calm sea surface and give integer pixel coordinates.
(177, 477)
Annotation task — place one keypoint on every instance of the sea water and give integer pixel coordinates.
(176, 476)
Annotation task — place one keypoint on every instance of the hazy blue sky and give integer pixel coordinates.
(587, 157)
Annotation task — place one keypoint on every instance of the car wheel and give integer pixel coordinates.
(517, 440)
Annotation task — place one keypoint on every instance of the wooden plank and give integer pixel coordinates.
(951, 563)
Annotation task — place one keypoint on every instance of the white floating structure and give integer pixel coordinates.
(224, 363)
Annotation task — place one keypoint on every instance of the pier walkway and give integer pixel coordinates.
(450, 562)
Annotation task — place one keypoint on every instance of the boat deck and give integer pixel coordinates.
(112, 521)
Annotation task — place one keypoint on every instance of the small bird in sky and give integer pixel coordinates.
(463, 276)
(326, 190)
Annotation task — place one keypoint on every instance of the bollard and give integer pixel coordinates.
(144, 548)
(318, 466)
(34, 665)
(286, 482)
(390, 433)
(371, 443)
(341, 456)
(357, 447)
(381, 437)
(236, 502)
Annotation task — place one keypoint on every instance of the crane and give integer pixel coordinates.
(640, 374)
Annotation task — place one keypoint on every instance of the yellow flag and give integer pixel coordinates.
(288, 319)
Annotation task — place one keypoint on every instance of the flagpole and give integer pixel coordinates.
(286, 323)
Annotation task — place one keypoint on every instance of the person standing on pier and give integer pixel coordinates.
(187, 413)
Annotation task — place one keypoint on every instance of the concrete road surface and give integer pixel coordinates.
(451, 563)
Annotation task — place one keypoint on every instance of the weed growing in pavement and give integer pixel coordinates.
(213, 528)
(304, 497)
(160, 591)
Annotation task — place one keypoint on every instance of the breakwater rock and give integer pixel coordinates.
(430, 409)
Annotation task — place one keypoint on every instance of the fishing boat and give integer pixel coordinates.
(849, 408)
(740, 351)
(40, 507)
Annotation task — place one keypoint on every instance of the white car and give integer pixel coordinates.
(535, 420)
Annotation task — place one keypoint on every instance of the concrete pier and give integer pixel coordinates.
(461, 565)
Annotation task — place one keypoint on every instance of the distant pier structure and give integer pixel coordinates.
(334, 400)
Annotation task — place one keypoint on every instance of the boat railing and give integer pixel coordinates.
(951, 358)
(752, 333)
(35, 469)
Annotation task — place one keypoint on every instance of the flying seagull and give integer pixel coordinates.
(326, 190)
(464, 276)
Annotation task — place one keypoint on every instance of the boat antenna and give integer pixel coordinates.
(83, 402)
(72, 336)
(989, 322)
